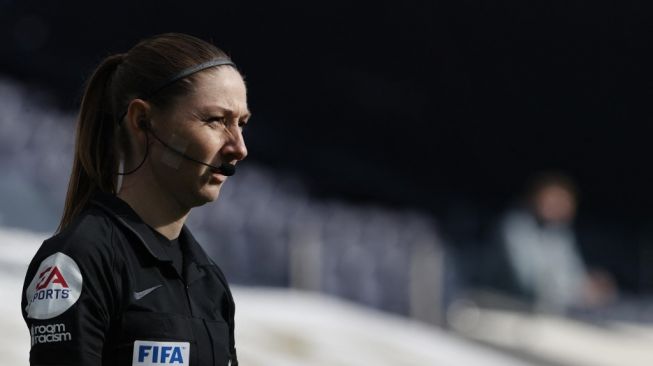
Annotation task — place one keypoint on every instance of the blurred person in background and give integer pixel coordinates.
(124, 282)
(541, 250)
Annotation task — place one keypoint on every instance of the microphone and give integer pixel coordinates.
(226, 169)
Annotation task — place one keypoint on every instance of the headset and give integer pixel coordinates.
(226, 169)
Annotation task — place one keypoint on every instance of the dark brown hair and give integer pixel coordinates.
(114, 83)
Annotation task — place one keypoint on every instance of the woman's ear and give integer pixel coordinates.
(138, 113)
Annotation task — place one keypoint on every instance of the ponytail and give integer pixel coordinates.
(95, 161)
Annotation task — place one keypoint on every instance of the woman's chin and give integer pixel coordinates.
(209, 194)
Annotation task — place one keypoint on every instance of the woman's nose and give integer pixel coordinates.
(235, 148)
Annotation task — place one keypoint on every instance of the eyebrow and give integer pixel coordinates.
(226, 110)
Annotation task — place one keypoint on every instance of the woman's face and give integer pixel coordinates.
(206, 125)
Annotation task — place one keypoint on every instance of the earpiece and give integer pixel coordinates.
(143, 125)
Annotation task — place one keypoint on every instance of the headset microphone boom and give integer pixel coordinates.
(226, 169)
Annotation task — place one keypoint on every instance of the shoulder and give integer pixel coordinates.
(88, 238)
(79, 256)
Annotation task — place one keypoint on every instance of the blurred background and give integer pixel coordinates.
(428, 183)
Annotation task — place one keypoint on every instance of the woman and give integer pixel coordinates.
(124, 282)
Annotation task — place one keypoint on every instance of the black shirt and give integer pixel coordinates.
(104, 291)
(172, 249)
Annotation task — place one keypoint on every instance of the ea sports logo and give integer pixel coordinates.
(51, 275)
(55, 287)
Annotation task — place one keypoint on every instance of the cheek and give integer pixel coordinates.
(209, 144)
(172, 158)
(205, 148)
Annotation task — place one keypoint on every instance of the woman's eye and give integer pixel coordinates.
(215, 120)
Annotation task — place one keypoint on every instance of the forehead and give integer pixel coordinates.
(219, 88)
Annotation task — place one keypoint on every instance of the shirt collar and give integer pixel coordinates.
(125, 215)
(193, 248)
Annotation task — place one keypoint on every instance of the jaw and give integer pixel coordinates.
(205, 194)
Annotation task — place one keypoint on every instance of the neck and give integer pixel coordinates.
(155, 207)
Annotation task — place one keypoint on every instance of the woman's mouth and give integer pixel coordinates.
(217, 177)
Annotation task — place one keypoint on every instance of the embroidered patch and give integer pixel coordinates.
(148, 353)
(55, 287)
